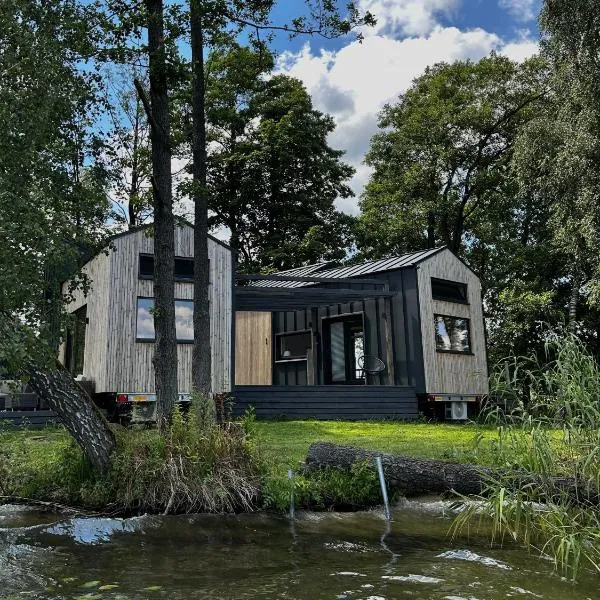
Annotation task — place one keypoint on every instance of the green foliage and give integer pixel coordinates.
(551, 412)
(52, 197)
(194, 466)
(322, 490)
(272, 176)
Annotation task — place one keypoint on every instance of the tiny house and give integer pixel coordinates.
(390, 338)
(110, 345)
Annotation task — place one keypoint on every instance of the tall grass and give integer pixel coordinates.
(548, 413)
(196, 465)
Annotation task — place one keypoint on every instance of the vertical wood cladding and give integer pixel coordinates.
(253, 348)
(113, 357)
(452, 373)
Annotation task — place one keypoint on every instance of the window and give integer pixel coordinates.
(184, 267)
(293, 346)
(449, 291)
(452, 334)
(184, 324)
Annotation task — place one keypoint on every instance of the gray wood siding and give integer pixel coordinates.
(328, 402)
(452, 373)
(98, 308)
(125, 365)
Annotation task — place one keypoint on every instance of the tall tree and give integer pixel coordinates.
(127, 156)
(572, 45)
(211, 21)
(273, 178)
(453, 167)
(440, 164)
(51, 200)
(165, 347)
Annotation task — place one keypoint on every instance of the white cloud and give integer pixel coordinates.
(523, 10)
(407, 17)
(355, 82)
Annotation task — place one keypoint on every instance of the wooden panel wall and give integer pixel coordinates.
(129, 363)
(113, 358)
(253, 348)
(98, 307)
(452, 373)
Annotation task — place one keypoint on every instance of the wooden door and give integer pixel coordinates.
(253, 348)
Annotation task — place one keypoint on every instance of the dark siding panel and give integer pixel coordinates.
(413, 329)
(37, 418)
(328, 402)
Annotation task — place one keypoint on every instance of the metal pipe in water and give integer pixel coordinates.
(292, 510)
(386, 503)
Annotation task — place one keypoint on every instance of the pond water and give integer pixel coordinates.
(337, 556)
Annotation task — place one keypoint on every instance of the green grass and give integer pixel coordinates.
(285, 443)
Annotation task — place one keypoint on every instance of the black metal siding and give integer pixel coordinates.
(327, 402)
(405, 325)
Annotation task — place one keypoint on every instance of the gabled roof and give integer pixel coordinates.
(327, 270)
(179, 221)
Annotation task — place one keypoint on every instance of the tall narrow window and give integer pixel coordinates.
(452, 334)
(184, 320)
(344, 349)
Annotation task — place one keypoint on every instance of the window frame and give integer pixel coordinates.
(468, 352)
(281, 334)
(463, 285)
(178, 278)
(153, 340)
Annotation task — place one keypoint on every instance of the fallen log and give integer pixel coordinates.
(412, 476)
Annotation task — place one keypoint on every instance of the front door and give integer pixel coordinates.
(343, 349)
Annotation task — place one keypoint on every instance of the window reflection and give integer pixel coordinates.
(452, 334)
(184, 320)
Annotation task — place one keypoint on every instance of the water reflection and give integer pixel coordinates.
(353, 556)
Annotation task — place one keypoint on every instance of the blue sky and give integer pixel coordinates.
(353, 81)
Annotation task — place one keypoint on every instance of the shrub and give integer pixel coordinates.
(550, 416)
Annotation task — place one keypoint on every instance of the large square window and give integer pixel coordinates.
(452, 334)
(184, 320)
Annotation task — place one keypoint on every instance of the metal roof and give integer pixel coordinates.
(325, 270)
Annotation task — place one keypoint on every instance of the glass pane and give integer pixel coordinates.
(184, 320)
(359, 355)
(294, 345)
(184, 268)
(145, 319)
(338, 354)
(450, 291)
(452, 334)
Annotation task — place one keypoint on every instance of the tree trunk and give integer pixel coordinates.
(430, 229)
(55, 385)
(416, 476)
(165, 347)
(201, 355)
(573, 301)
(134, 189)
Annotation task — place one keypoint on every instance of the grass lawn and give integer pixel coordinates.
(285, 442)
